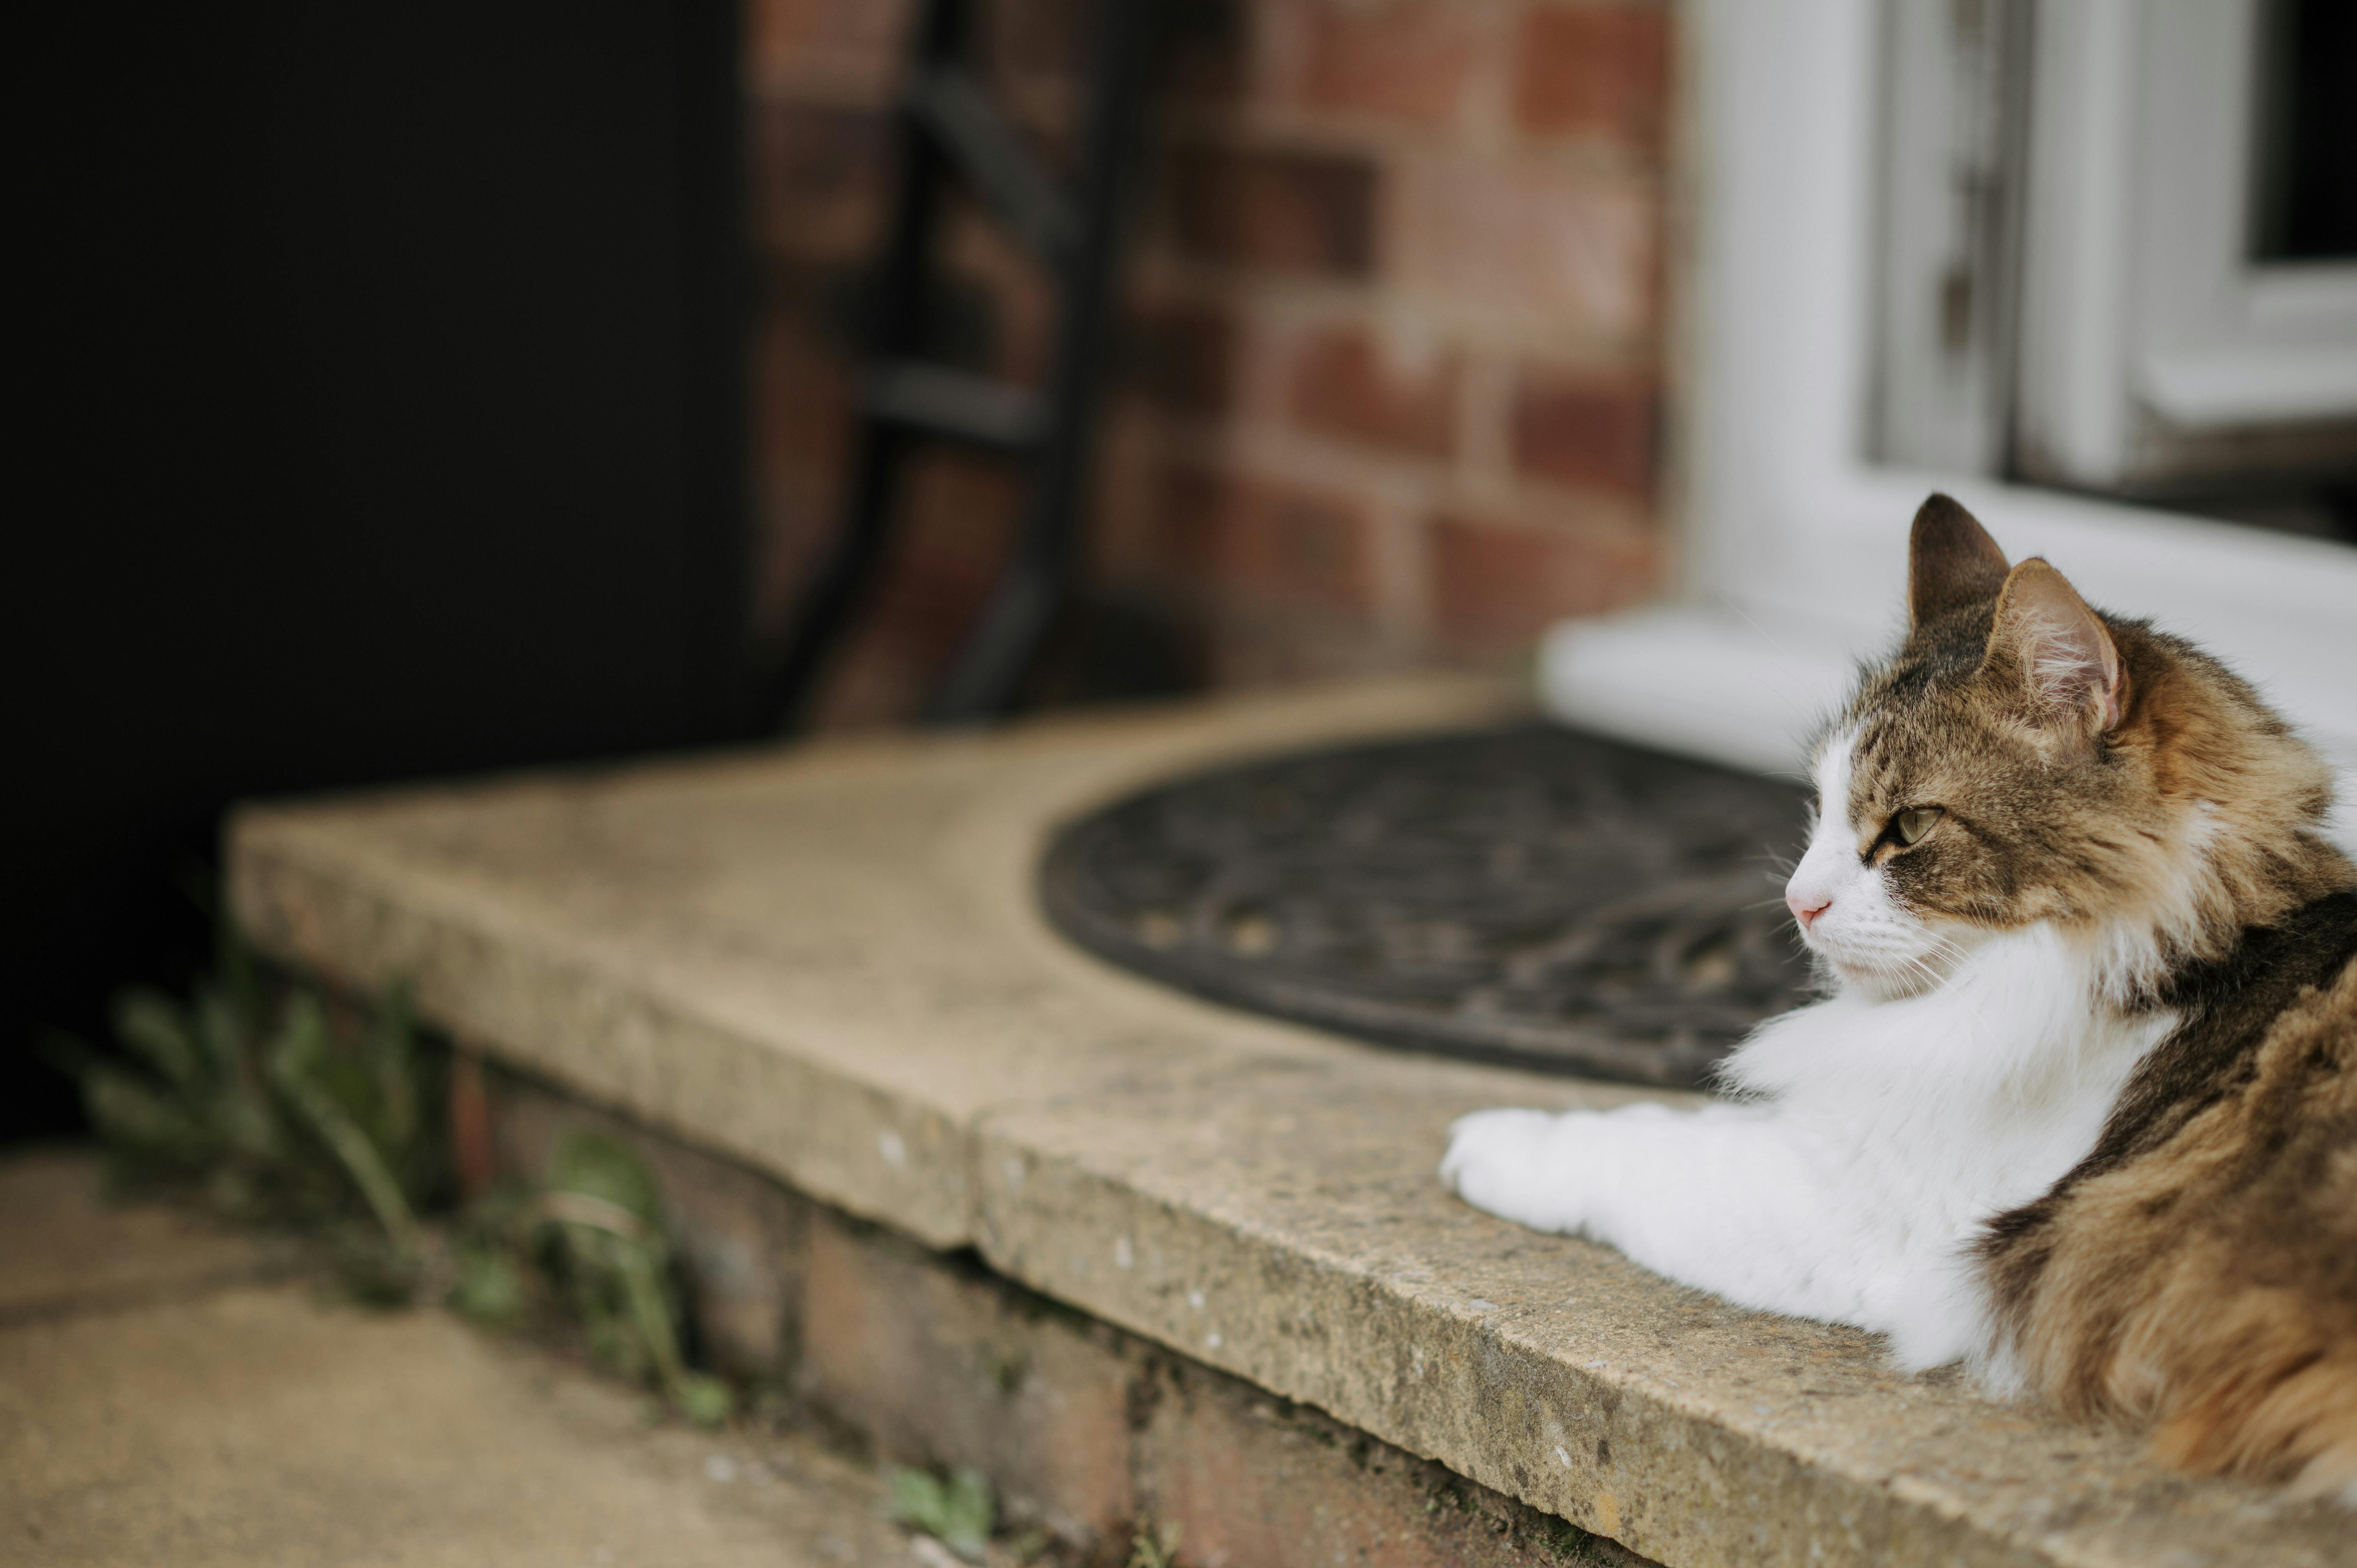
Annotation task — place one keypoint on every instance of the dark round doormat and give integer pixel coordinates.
(1530, 895)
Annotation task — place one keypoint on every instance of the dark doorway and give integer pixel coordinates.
(390, 423)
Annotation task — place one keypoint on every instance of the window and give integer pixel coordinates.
(2114, 251)
(2189, 331)
(1804, 457)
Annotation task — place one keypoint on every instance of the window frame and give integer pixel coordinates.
(1953, 106)
(1791, 542)
(2147, 325)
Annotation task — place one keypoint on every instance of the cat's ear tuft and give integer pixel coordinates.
(2060, 651)
(1951, 560)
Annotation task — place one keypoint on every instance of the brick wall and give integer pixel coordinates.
(1388, 383)
(927, 1358)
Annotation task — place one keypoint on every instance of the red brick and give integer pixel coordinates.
(958, 513)
(959, 509)
(1127, 541)
(1294, 212)
(782, 37)
(802, 394)
(1342, 382)
(802, 422)
(1039, 38)
(799, 510)
(949, 1367)
(1595, 69)
(1010, 300)
(1243, 1478)
(1407, 62)
(1183, 355)
(908, 632)
(1498, 585)
(1597, 433)
(1575, 246)
(1259, 540)
(818, 180)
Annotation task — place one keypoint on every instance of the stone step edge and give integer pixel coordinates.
(303, 908)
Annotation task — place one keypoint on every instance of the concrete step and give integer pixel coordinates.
(826, 965)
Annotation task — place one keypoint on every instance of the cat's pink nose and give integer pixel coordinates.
(1806, 907)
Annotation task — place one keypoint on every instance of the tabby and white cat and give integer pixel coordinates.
(2081, 1106)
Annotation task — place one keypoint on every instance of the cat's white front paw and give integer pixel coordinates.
(1497, 1160)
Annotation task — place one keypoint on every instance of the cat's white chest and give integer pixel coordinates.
(1883, 1135)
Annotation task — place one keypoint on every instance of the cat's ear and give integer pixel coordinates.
(2046, 638)
(1951, 560)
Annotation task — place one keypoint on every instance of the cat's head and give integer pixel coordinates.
(2022, 759)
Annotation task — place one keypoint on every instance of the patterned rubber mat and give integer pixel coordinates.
(1529, 895)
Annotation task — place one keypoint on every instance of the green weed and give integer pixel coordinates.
(285, 1112)
(248, 1092)
(597, 1228)
(957, 1510)
(1152, 1547)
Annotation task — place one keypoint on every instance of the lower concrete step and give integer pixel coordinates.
(172, 1392)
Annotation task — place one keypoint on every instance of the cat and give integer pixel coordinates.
(2080, 1108)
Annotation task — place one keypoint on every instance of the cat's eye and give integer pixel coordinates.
(1911, 825)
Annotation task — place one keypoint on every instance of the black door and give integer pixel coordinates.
(386, 369)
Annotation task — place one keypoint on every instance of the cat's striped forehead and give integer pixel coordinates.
(1910, 723)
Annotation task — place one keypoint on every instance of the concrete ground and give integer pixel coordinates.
(171, 1391)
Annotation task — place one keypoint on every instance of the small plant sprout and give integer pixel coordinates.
(1152, 1547)
(247, 1092)
(603, 1219)
(958, 1511)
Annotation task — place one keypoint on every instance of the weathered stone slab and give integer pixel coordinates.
(65, 1250)
(827, 962)
(225, 1425)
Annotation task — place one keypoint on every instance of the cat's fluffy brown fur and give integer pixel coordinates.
(2205, 1279)
(2198, 1271)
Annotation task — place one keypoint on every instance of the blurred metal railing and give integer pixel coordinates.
(948, 127)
